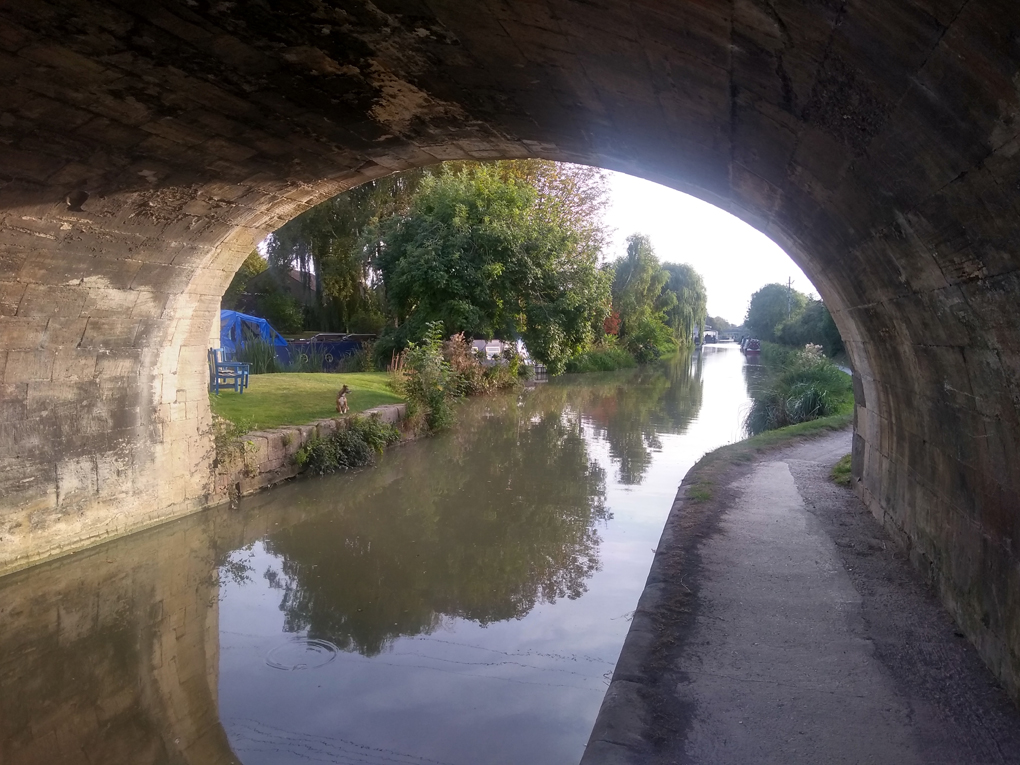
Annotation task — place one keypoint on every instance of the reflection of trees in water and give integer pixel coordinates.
(482, 524)
(631, 411)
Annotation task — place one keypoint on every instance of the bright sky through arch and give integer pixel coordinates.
(734, 259)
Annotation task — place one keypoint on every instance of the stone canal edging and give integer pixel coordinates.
(264, 458)
(630, 711)
(641, 710)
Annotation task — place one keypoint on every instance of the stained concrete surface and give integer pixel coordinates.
(787, 627)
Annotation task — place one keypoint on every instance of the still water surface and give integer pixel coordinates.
(464, 602)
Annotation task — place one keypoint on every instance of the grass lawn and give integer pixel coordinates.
(300, 398)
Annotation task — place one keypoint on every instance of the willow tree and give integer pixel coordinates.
(326, 243)
(687, 301)
(638, 282)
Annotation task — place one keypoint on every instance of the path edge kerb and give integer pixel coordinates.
(620, 735)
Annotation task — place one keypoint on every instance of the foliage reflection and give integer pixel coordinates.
(481, 524)
(630, 411)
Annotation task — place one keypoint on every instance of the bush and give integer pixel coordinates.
(227, 439)
(607, 359)
(427, 382)
(813, 325)
(467, 372)
(362, 360)
(805, 386)
(650, 340)
(353, 446)
(367, 322)
(473, 375)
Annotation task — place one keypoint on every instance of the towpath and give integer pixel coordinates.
(781, 624)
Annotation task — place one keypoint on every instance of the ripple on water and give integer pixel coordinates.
(301, 653)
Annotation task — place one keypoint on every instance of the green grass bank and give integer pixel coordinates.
(300, 398)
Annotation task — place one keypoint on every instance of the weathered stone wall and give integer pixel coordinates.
(147, 146)
(265, 458)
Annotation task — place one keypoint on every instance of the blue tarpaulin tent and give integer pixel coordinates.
(236, 328)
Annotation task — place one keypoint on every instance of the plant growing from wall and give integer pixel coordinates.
(355, 444)
(228, 443)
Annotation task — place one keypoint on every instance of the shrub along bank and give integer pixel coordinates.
(434, 374)
(606, 359)
(799, 386)
(353, 446)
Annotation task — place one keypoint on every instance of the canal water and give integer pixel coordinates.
(463, 602)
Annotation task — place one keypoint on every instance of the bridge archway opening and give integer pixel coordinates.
(147, 149)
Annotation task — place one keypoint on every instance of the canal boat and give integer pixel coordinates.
(751, 346)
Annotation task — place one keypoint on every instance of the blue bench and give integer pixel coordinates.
(226, 374)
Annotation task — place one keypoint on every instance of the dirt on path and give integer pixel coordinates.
(781, 624)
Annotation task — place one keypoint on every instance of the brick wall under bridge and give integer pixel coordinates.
(146, 147)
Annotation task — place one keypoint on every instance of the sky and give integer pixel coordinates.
(734, 259)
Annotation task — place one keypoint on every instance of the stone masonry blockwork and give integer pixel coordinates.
(147, 147)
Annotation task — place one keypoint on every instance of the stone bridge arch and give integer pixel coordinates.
(147, 146)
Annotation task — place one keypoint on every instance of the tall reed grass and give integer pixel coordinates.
(798, 387)
(260, 356)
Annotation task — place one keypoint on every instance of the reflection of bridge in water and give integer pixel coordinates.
(112, 656)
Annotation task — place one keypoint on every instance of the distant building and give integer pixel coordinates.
(708, 335)
(492, 348)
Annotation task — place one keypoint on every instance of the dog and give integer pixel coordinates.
(341, 400)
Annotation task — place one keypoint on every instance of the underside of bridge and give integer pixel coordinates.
(146, 147)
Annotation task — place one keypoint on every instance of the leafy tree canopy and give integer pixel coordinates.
(482, 252)
(253, 265)
(327, 241)
(770, 307)
(688, 301)
(813, 325)
(638, 282)
(660, 306)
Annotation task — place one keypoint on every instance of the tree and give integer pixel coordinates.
(253, 265)
(720, 323)
(475, 252)
(332, 241)
(659, 306)
(688, 303)
(813, 325)
(328, 241)
(572, 197)
(770, 307)
(638, 280)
